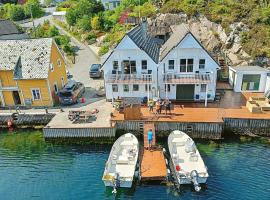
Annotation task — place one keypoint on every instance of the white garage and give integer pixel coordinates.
(248, 78)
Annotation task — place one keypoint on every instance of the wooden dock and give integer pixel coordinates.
(153, 165)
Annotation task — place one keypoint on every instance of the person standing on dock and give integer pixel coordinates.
(150, 138)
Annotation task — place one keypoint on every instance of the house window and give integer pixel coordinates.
(115, 88)
(190, 65)
(55, 87)
(126, 88)
(147, 87)
(133, 67)
(115, 65)
(203, 87)
(136, 87)
(51, 67)
(171, 64)
(251, 82)
(183, 65)
(144, 64)
(36, 94)
(168, 88)
(201, 63)
(59, 62)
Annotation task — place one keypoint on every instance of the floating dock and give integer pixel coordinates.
(153, 165)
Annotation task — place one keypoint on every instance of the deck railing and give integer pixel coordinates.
(187, 78)
(129, 78)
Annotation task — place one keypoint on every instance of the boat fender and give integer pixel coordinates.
(178, 168)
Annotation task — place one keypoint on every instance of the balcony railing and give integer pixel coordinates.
(129, 78)
(187, 78)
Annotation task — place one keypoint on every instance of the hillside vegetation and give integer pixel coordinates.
(254, 13)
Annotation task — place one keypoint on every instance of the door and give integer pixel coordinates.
(185, 92)
(16, 98)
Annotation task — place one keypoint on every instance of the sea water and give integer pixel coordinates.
(33, 169)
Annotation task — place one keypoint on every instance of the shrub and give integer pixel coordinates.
(103, 50)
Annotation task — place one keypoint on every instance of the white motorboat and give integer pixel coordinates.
(188, 164)
(121, 165)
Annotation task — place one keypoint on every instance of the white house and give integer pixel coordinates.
(131, 68)
(186, 69)
(180, 69)
(110, 4)
(267, 87)
(249, 79)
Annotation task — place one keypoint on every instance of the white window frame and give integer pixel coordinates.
(51, 67)
(127, 88)
(59, 62)
(36, 89)
(202, 64)
(171, 65)
(135, 90)
(117, 88)
(203, 89)
(115, 61)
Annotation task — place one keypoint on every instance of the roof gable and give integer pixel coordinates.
(126, 43)
(189, 42)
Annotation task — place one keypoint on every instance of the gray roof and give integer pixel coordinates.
(29, 58)
(178, 33)
(144, 41)
(250, 68)
(7, 27)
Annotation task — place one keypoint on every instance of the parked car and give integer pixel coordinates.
(69, 75)
(95, 71)
(71, 92)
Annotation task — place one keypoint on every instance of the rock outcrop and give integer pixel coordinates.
(211, 34)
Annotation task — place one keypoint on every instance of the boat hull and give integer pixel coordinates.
(123, 184)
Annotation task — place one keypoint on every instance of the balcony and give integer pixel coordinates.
(129, 78)
(188, 78)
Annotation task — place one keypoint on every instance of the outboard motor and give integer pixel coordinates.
(116, 183)
(194, 178)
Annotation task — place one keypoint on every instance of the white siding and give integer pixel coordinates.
(239, 77)
(267, 86)
(128, 50)
(189, 49)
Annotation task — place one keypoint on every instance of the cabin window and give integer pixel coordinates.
(171, 64)
(144, 64)
(147, 87)
(135, 87)
(183, 65)
(51, 67)
(203, 87)
(129, 67)
(251, 82)
(115, 65)
(126, 88)
(168, 88)
(59, 62)
(55, 87)
(115, 88)
(36, 94)
(201, 63)
(190, 65)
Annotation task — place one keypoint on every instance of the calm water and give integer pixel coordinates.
(32, 169)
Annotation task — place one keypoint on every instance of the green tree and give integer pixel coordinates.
(95, 23)
(34, 7)
(145, 10)
(14, 12)
(84, 23)
(53, 31)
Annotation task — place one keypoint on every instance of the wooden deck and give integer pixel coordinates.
(147, 127)
(153, 165)
(232, 105)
